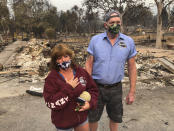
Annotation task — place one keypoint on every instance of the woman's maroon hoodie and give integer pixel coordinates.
(61, 98)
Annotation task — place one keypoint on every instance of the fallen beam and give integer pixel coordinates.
(167, 64)
(13, 71)
(172, 82)
(165, 78)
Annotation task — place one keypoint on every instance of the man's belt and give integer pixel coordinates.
(107, 85)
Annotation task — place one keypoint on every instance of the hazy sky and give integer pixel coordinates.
(66, 4)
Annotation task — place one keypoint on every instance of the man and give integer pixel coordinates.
(109, 51)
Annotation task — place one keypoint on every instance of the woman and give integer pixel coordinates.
(63, 85)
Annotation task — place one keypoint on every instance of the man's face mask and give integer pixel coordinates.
(114, 29)
(65, 65)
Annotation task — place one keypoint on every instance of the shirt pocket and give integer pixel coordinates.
(121, 55)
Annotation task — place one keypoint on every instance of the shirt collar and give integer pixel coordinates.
(120, 36)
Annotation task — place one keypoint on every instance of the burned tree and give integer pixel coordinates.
(4, 17)
(138, 15)
(106, 5)
(161, 4)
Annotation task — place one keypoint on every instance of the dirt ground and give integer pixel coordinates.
(153, 109)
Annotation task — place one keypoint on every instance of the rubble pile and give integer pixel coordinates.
(3, 45)
(30, 60)
(150, 70)
(80, 52)
(4, 41)
(1, 67)
(147, 64)
(33, 59)
(79, 46)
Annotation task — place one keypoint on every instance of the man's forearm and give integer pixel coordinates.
(132, 75)
(132, 79)
(89, 64)
(88, 67)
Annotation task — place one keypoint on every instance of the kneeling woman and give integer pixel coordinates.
(63, 85)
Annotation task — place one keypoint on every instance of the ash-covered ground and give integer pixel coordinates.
(27, 66)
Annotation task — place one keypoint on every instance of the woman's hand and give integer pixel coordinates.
(73, 82)
(86, 106)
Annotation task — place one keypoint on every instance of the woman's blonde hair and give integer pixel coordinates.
(58, 51)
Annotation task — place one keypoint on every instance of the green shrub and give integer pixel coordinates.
(50, 33)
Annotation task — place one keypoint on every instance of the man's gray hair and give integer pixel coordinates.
(108, 15)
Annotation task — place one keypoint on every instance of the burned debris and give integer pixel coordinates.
(30, 62)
